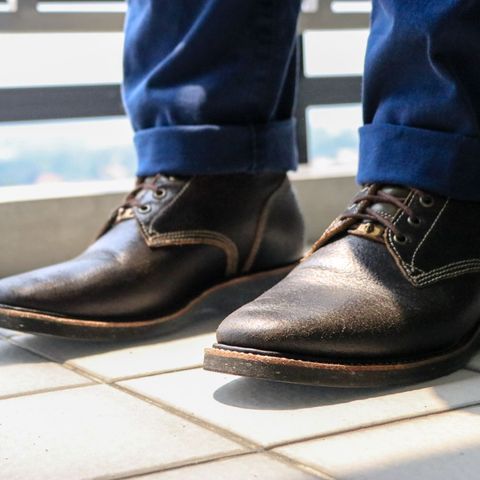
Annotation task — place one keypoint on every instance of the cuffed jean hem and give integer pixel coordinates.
(444, 163)
(212, 149)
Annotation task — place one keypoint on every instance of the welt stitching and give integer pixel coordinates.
(446, 271)
(199, 236)
(450, 267)
(429, 231)
(451, 274)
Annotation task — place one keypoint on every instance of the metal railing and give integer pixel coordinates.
(59, 102)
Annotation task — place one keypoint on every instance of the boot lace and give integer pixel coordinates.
(367, 214)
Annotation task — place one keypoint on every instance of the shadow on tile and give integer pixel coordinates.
(63, 349)
(249, 393)
(12, 355)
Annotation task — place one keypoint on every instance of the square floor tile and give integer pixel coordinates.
(96, 431)
(23, 372)
(271, 413)
(437, 447)
(112, 361)
(245, 467)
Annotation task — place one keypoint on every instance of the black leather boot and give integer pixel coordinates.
(390, 294)
(173, 241)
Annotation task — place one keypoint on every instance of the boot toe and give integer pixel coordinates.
(332, 307)
(33, 290)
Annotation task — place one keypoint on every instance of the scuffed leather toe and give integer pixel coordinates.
(335, 305)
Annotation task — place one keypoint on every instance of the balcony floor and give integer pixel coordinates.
(147, 410)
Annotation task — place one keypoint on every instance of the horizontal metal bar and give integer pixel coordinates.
(46, 103)
(27, 19)
(33, 22)
(329, 90)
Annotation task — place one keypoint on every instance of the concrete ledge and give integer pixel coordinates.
(46, 224)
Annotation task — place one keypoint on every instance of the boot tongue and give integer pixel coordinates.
(125, 212)
(388, 209)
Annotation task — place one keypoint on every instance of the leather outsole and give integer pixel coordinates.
(286, 368)
(239, 290)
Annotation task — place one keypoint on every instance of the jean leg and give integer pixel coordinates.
(209, 85)
(422, 97)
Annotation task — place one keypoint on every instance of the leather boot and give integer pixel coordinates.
(174, 241)
(390, 294)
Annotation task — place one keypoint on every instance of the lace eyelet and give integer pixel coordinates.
(427, 201)
(400, 239)
(144, 208)
(159, 193)
(414, 221)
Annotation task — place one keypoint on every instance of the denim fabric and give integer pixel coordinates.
(421, 97)
(209, 85)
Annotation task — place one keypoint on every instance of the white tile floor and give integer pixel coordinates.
(77, 411)
(271, 414)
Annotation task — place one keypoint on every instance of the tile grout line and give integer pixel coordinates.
(375, 425)
(31, 393)
(254, 447)
(94, 376)
(173, 466)
(65, 365)
(99, 380)
(258, 448)
(285, 460)
(204, 461)
(91, 375)
(144, 375)
(299, 465)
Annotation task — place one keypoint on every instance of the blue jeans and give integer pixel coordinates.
(210, 88)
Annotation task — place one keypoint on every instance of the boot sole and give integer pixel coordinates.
(231, 295)
(309, 371)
